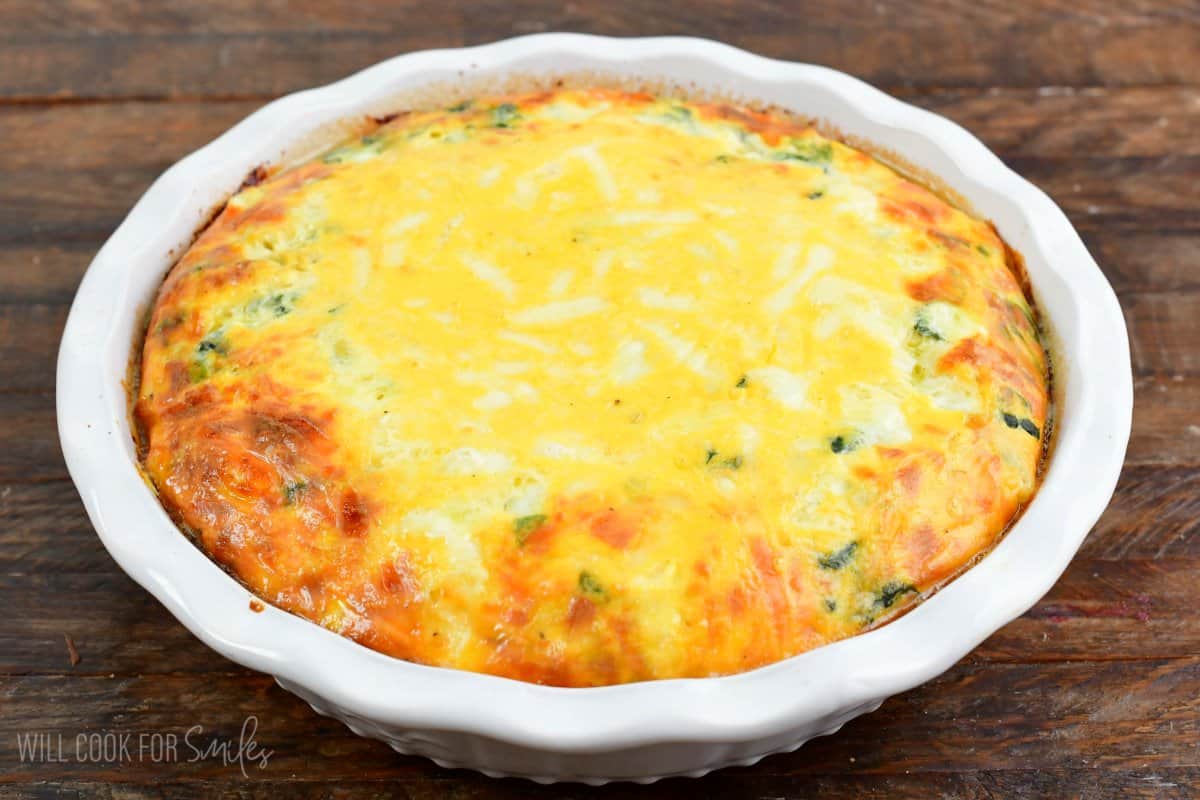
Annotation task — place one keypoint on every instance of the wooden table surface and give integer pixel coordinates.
(1093, 693)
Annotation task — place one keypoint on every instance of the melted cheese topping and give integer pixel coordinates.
(591, 387)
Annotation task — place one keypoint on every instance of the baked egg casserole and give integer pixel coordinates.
(587, 387)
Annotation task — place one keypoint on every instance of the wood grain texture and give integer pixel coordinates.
(451, 18)
(1163, 327)
(1166, 431)
(1154, 516)
(1133, 261)
(1100, 611)
(1134, 179)
(1094, 693)
(1083, 784)
(1111, 716)
(257, 50)
(1048, 123)
(1129, 595)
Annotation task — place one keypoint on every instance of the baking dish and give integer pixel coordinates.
(636, 731)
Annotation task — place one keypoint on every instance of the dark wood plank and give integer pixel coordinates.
(1130, 594)
(1115, 601)
(1131, 194)
(132, 134)
(1099, 611)
(1154, 515)
(44, 530)
(1133, 261)
(29, 448)
(1164, 332)
(1085, 784)
(1165, 423)
(1108, 715)
(220, 703)
(145, 137)
(47, 204)
(44, 274)
(1144, 177)
(98, 17)
(1115, 716)
(1064, 120)
(1150, 261)
(116, 626)
(1102, 610)
(1165, 429)
(29, 338)
(268, 51)
(1045, 123)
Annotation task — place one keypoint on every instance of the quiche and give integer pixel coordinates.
(592, 386)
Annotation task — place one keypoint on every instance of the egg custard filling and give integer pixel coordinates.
(589, 386)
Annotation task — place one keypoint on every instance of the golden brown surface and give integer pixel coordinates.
(592, 387)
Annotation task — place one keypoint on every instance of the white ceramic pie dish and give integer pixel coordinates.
(639, 731)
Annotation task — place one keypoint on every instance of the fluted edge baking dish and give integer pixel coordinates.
(641, 731)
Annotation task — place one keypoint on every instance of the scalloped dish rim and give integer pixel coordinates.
(638, 731)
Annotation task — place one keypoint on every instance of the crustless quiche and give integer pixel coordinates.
(588, 387)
